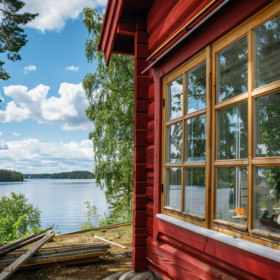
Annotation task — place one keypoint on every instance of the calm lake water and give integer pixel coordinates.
(60, 200)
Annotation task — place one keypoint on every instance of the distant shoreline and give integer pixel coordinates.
(61, 175)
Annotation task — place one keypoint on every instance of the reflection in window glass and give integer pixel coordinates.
(195, 130)
(232, 132)
(267, 125)
(196, 88)
(173, 187)
(267, 199)
(231, 194)
(175, 99)
(195, 190)
(232, 70)
(267, 52)
(174, 143)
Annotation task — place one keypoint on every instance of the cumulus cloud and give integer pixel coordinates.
(3, 145)
(67, 110)
(1, 133)
(29, 68)
(53, 14)
(33, 156)
(16, 134)
(72, 68)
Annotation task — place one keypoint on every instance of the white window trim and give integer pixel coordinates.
(243, 244)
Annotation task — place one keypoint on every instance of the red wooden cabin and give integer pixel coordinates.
(207, 157)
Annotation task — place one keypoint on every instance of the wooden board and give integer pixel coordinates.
(97, 228)
(12, 268)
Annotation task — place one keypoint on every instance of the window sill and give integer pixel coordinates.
(242, 244)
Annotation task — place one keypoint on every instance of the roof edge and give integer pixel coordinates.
(103, 24)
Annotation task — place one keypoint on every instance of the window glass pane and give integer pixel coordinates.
(267, 125)
(175, 99)
(267, 52)
(232, 70)
(231, 194)
(195, 130)
(195, 190)
(196, 88)
(267, 199)
(174, 143)
(232, 132)
(173, 187)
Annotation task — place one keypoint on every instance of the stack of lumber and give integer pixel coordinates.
(16, 263)
(59, 255)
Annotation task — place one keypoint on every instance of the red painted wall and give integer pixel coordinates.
(173, 251)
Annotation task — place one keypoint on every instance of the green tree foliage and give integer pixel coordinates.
(12, 37)
(110, 91)
(17, 216)
(91, 215)
(10, 176)
(73, 175)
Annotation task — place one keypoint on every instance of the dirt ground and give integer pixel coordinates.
(119, 260)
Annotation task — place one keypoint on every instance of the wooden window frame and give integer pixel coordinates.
(211, 164)
(200, 58)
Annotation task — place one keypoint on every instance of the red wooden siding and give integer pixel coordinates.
(162, 28)
(141, 87)
(171, 251)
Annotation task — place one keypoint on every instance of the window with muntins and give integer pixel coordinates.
(221, 134)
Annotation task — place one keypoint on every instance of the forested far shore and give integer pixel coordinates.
(73, 175)
(37, 176)
(10, 176)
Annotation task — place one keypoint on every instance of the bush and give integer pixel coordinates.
(91, 214)
(18, 217)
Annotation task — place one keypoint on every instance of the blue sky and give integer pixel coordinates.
(43, 123)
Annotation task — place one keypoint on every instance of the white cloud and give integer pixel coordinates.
(29, 68)
(53, 14)
(73, 68)
(16, 134)
(33, 156)
(67, 110)
(3, 145)
(1, 133)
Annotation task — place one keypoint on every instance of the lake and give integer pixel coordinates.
(60, 200)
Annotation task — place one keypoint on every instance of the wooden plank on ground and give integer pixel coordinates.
(22, 244)
(56, 259)
(17, 242)
(97, 228)
(58, 263)
(109, 241)
(7, 272)
(56, 249)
